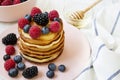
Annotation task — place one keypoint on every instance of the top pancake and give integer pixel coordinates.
(43, 39)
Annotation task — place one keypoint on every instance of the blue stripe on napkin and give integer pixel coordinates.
(95, 27)
(91, 66)
(98, 51)
(116, 21)
(114, 75)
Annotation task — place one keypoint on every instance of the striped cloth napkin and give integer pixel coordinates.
(104, 36)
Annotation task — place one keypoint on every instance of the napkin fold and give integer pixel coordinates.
(104, 38)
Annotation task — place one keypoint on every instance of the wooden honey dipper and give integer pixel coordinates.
(78, 15)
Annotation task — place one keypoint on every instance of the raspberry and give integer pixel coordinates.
(34, 32)
(53, 14)
(9, 64)
(10, 50)
(22, 22)
(35, 10)
(9, 39)
(54, 26)
(1, 1)
(16, 1)
(6, 2)
(30, 72)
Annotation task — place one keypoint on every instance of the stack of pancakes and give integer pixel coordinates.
(43, 49)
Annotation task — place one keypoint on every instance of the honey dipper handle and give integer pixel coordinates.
(91, 6)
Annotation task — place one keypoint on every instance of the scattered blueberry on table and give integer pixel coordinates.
(61, 68)
(21, 66)
(50, 74)
(13, 72)
(6, 57)
(52, 67)
(18, 58)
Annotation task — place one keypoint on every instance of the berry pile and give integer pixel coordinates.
(14, 65)
(42, 20)
(10, 65)
(10, 2)
(52, 67)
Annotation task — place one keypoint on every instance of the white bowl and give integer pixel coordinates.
(14, 12)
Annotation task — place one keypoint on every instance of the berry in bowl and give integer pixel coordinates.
(12, 10)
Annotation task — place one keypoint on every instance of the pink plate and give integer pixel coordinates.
(75, 56)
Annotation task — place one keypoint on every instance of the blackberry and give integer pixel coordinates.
(41, 19)
(30, 72)
(10, 39)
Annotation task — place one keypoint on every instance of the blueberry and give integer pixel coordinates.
(6, 57)
(26, 28)
(50, 74)
(61, 68)
(28, 17)
(13, 72)
(21, 66)
(46, 13)
(52, 67)
(57, 19)
(17, 58)
(45, 30)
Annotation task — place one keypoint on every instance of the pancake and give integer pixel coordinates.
(45, 39)
(52, 51)
(44, 48)
(48, 47)
(32, 59)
